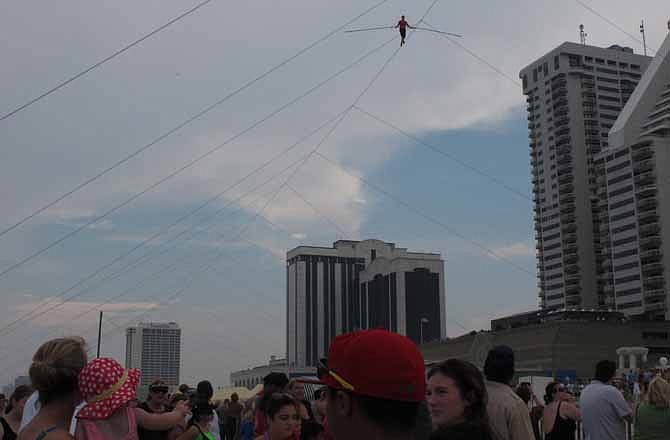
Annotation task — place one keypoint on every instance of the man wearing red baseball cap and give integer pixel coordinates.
(376, 383)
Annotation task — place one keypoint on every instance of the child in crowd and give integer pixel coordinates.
(109, 391)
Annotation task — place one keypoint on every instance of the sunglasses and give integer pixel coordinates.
(159, 390)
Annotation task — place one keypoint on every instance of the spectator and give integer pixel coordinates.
(107, 389)
(310, 429)
(206, 390)
(376, 384)
(3, 403)
(525, 392)
(233, 416)
(184, 389)
(559, 421)
(181, 426)
(652, 419)
(283, 415)
(221, 408)
(639, 388)
(156, 403)
(53, 373)
(319, 405)
(10, 422)
(201, 422)
(508, 414)
(456, 398)
(604, 409)
(247, 425)
(272, 383)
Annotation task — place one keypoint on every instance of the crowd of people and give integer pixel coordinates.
(372, 385)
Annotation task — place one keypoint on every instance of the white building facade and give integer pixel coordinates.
(634, 182)
(574, 95)
(155, 349)
(359, 285)
(254, 376)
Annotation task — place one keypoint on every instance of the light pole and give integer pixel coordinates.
(422, 321)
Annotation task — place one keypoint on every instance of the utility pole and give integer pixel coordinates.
(644, 38)
(99, 334)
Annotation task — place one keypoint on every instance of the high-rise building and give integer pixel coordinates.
(574, 95)
(359, 285)
(634, 182)
(154, 349)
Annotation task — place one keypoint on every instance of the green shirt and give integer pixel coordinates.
(205, 436)
(652, 423)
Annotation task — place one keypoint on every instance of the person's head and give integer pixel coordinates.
(158, 392)
(456, 393)
(202, 410)
(524, 392)
(106, 387)
(659, 393)
(383, 397)
(320, 401)
(179, 397)
(296, 388)
(605, 371)
(184, 389)
(402, 17)
(555, 392)
(55, 370)
(234, 398)
(18, 399)
(274, 383)
(499, 364)
(248, 414)
(283, 416)
(205, 389)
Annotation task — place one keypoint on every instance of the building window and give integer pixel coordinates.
(557, 62)
(655, 336)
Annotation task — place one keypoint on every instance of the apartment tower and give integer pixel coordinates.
(634, 185)
(574, 94)
(154, 349)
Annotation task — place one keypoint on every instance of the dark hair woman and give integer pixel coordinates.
(202, 416)
(11, 421)
(559, 420)
(283, 416)
(456, 397)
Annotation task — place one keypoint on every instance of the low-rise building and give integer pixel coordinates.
(567, 344)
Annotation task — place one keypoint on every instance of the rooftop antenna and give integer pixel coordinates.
(582, 35)
(644, 37)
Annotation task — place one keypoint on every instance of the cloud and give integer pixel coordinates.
(80, 312)
(299, 235)
(513, 251)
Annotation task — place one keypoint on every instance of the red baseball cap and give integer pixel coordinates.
(376, 363)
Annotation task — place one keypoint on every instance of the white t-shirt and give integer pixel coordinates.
(603, 410)
(32, 407)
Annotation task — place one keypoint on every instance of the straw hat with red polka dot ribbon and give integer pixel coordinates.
(106, 386)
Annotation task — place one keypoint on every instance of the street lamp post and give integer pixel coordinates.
(422, 321)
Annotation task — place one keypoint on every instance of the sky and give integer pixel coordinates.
(221, 271)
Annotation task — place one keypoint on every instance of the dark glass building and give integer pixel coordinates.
(359, 285)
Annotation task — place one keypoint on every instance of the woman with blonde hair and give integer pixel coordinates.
(652, 418)
(54, 373)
